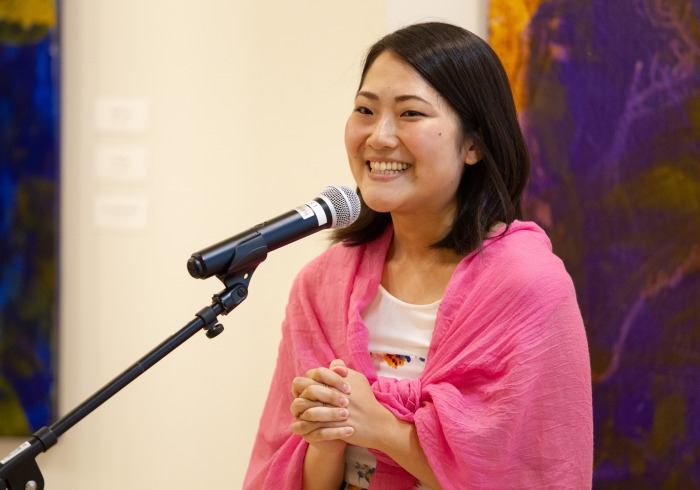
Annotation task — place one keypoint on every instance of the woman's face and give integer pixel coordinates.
(404, 143)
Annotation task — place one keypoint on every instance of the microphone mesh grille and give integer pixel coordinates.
(345, 202)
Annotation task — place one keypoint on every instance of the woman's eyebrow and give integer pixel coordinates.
(398, 98)
(368, 95)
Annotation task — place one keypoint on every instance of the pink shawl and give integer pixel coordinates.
(505, 397)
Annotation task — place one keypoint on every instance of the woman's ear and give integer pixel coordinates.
(471, 152)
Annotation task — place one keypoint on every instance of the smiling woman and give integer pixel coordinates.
(468, 80)
(400, 119)
(439, 344)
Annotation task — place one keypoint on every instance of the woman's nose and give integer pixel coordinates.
(383, 134)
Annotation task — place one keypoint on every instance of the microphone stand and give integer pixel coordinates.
(19, 470)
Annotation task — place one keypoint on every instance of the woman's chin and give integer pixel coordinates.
(381, 199)
(379, 206)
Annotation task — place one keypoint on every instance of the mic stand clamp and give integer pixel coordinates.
(19, 470)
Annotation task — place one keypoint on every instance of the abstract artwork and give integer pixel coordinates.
(608, 94)
(29, 211)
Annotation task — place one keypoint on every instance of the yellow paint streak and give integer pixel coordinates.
(28, 13)
(669, 422)
(509, 38)
(12, 419)
(673, 188)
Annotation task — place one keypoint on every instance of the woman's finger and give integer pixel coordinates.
(330, 378)
(320, 431)
(304, 427)
(301, 405)
(324, 413)
(338, 367)
(328, 434)
(299, 384)
(324, 394)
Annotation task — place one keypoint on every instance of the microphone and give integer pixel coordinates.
(336, 207)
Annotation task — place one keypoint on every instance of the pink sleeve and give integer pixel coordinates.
(277, 459)
(313, 334)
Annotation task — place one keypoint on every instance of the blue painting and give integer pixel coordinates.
(608, 94)
(29, 214)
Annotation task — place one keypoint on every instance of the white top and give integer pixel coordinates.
(399, 337)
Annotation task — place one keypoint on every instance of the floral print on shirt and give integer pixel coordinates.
(394, 360)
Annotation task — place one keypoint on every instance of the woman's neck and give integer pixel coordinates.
(413, 271)
(414, 235)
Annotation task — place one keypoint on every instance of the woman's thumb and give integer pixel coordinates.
(338, 366)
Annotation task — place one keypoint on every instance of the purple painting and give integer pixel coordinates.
(609, 97)
(29, 185)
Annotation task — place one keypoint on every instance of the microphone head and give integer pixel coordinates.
(345, 205)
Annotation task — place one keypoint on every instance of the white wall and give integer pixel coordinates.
(246, 107)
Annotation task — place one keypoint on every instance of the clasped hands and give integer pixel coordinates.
(337, 404)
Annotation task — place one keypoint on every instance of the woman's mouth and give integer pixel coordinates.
(387, 168)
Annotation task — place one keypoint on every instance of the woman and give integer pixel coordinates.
(440, 344)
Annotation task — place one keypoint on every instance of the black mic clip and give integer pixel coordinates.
(243, 254)
(249, 253)
(249, 250)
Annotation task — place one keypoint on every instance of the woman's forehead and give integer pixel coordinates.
(388, 72)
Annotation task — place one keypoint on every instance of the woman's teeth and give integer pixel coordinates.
(387, 168)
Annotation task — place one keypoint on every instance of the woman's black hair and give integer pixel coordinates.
(467, 73)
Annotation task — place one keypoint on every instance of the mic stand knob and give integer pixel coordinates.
(214, 330)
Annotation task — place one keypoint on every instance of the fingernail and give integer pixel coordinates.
(343, 402)
(346, 388)
(343, 413)
(349, 430)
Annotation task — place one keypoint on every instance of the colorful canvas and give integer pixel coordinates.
(608, 94)
(29, 185)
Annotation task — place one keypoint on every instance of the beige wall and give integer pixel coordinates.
(246, 103)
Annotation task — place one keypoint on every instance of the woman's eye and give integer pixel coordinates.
(412, 114)
(363, 110)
